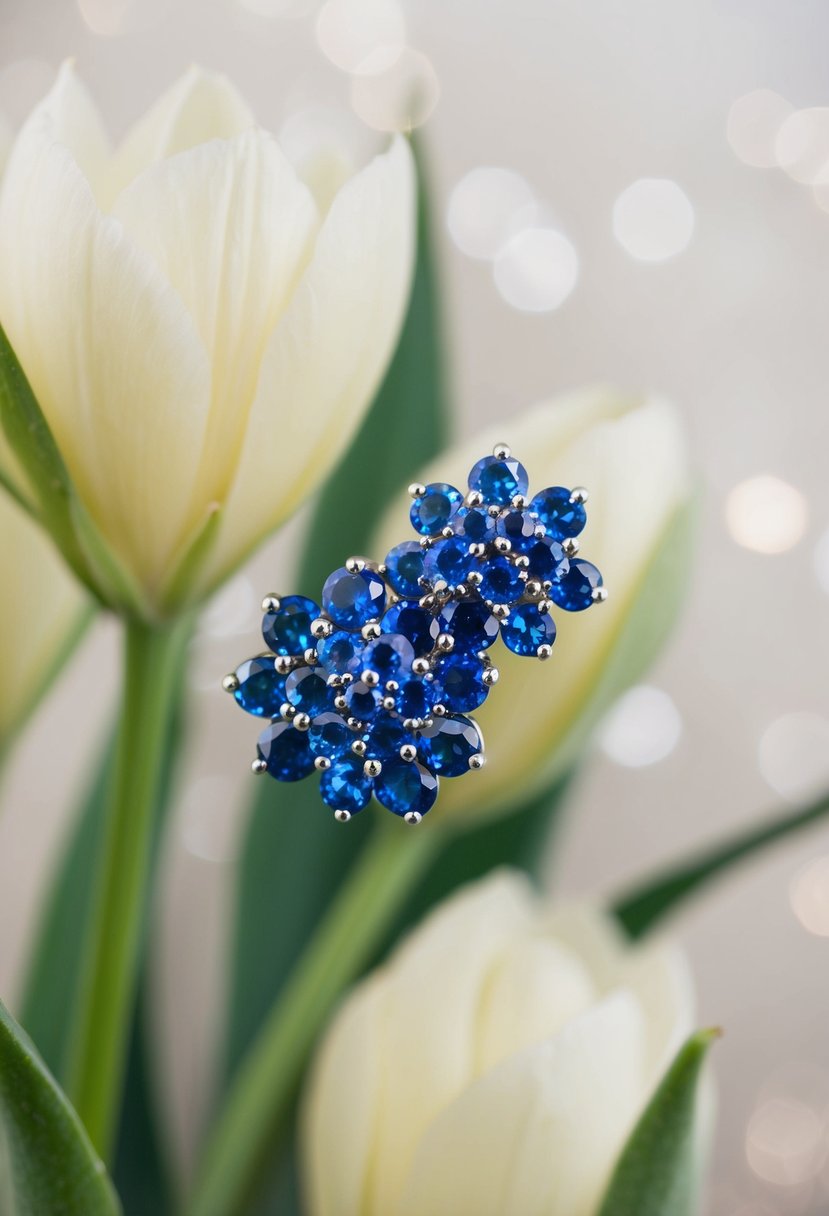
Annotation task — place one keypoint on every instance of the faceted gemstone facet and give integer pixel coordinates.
(341, 653)
(261, 691)
(285, 751)
(526, 629)
(403, 787)
(416, 624)
(390, 655)
(449, 744)
(470, 623)
(574, 592)
(385, 737)
(329, 736)
(518, 527)
(560, 517)
(345, 786)
(431, 513)
(308, 692)
(404, 569)
(499, 480)
(501, 581)
(352, 599)
(448, 561)
(458, 683)
(547, 559)
(362, 701)
(476, 525)
(414, 698)
(288, 631)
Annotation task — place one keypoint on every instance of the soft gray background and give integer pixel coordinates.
(581, 100)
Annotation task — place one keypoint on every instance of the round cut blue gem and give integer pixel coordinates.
(389, 655)
(448, 560)
(329, 736)
(261, 690)
(476, 525)
(288, 631)
(384, 738)
(501, 581)
(414, 698)
(285, 751)
(345, 786)
(352, 599)
(525, 629)
(560, 517)
(448, 745)
(362, 701)
(458, 683)
(499, 480)
(416, 624)
(519, 529)
(435, 509)
(574, 592)
(403, 787)
(404, 569)
(470, 623)
(308, 692)
(341, 653)
(548, 561)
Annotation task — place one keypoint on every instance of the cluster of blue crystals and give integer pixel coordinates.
(373, 687)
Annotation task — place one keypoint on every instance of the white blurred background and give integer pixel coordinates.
(632, 193)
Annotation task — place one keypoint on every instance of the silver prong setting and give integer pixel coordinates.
(599, 595)
(413, 818)
(502, 451)
(258, 766)
(342, 816)
(231, 682)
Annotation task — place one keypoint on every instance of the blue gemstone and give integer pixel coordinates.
(285, 751)
(458, 684)
(501, 581)
(448, 745)
(341, 653)
(560, 517)
(261, 690)
(476, 525)
(389, 655)
(404, 569)
(362, 701)
(403, 787)
(435, 509)
(308, 692)
(345, 786)
(414, 698)
(416, 624)
(499, 480)
(288, 631)
(574, 592)
(547, 559)
(448, 560)
(470, 623)
(352, 599)
(329, 736)
(519, 529)
(525, 629)
(385, 737)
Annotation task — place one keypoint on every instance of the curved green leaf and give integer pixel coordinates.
(47, 1164)
(657, 1172)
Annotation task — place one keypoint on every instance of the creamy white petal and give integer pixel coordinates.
(76, 122)
(112, 355)
(327, 354)
(540, 1133)
(199, 107)
(231, 227)
(435, 983)
(340, 1112)
(6, 137)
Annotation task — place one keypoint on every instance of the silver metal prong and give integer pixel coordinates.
(271, 603)
(231, 682)
(445, 642)
(477, 761)
(474, 499)
(408, 752)
(500, 611)
(310, 656)
(579, 494)
(371, 630)
(519, 502)
(599, 595)
(303, 721)
(544, 651)
(342, 816)
(545, 606)
(322, 764)
(420, 666)
(570, 546)
(358, 747)
(490, 676)
(522, 561)
(388, 703)
(258, 766)
(413, 818)
(354, 723)
(372, 768)
(417, 489)
(440, 710)
(426, 542)
(321, 628)
(502, 451)
(448, 532)
(287, 711)
(340, 703)
(533, 587)
(355, 564)
(477, 550)
(502, 544)
(370, 678)
(283, 664)
(474, 578)
(493, 511)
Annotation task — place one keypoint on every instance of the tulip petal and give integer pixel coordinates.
(539, 1134)
(327, 354)
(230, 226)
(112, 355)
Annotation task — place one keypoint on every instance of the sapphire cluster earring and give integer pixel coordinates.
(373, 687)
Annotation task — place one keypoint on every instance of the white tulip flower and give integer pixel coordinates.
(630, 454)
(201, 332)
(495, 1064)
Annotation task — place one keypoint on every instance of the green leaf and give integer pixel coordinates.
(294, 856)
(641, 909)
(657, 1172)
(47, 1164)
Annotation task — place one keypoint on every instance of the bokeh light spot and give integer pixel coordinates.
(483, 209)
(536, 270)
(653, 219)
(793, 755)
(809, 896)
(643, 727)
(400, 98)
(785, 1142)
(766, 514)
(753, 125)
(802, 144)
(361, 36)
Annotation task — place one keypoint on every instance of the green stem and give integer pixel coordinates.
(100, 1030)
(266, 1080)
